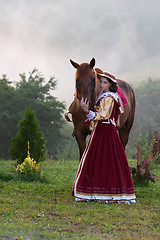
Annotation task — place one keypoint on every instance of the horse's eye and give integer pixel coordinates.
(77, 82)
(93, 82)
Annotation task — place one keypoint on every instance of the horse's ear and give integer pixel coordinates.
(76, 65)
(92, 63)
(98, 70)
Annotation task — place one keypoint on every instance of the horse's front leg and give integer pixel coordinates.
(81, 140)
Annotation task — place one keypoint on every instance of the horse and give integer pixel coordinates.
(87, 85)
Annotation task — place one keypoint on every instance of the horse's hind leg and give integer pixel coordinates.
(124, 135)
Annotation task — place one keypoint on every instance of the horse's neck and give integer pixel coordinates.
(97, 90)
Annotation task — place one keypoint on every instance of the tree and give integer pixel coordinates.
(7, 121)
(147, 113)
(29, 131)
(33, 92)
(147, 107)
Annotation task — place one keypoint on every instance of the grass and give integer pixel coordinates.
(46, 210)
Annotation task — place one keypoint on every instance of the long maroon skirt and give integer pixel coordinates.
(104, 173)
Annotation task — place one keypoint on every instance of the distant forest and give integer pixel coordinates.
(147, 107)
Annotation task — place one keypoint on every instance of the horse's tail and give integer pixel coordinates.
(67, 117)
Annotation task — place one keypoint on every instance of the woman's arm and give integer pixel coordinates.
(103, 111)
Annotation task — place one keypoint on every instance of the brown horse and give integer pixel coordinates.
(88, 86)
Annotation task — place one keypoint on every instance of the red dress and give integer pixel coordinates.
(104, 173)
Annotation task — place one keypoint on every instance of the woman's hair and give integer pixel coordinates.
(113, 87)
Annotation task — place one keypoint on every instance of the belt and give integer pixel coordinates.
(109, 121)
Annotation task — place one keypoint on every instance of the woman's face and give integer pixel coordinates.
(104, 84)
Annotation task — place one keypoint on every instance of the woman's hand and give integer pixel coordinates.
(84, 105)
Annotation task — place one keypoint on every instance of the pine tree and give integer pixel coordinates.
(29, 130)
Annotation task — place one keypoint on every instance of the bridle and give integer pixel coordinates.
(92, 98)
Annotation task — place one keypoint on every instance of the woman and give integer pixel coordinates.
(104, 173)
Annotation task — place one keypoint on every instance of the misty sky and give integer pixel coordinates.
(123, 36)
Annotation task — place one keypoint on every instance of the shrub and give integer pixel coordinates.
(28, 166)
(29, 170)
(142, 172)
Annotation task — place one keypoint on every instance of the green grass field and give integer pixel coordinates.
(46, 210)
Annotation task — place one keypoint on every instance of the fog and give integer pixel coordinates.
(123, 37)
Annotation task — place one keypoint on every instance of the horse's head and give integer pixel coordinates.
(86, 79)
